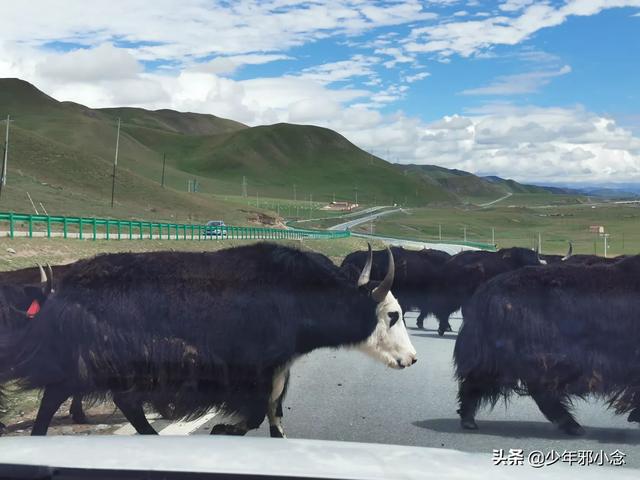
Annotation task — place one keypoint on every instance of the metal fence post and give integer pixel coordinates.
(30, 226)
(11, 224)
(80, 228)
(48, 226)
(64, 227)
(93, 225)
(119, 229)
(140, 230)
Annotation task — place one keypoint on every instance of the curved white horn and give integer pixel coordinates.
(366, 271)
(43, 276)
(569, 253)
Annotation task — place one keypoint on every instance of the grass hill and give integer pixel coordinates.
(62, 153)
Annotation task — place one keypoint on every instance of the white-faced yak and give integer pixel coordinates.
(553, 333)
(186, 332)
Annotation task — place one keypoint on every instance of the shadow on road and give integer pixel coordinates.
(543, 430)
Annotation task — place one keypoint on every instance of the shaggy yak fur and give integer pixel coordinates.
(416, 274)
(186, 332)
(19, 289)
(553, 333)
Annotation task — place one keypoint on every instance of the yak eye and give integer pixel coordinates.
(393, 316)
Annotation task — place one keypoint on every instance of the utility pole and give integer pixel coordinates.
(5, 160)
(465, 233)
(539, 242)
(257, 200)
(493, 236)
(164, 162)
(605, 236)
(244, 187)
(115, 164)
(440, 232)
(295, 193)
(356, 195)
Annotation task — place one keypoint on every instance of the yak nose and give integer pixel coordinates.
(414, 360)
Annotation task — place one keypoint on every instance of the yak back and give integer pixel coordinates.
(571, 328)
(204, 324)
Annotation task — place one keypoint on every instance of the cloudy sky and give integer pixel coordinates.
(545, 91)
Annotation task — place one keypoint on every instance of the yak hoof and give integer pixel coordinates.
(222, 429)
(79, 419)
(440, 332)
(572, 428)
(634, 416)
(420, 325)
(276, 432)
(468, 424)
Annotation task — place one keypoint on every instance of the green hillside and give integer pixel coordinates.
(63, 152)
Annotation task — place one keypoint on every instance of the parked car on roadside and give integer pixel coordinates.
(215, 228)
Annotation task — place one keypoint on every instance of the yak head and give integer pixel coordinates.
(23, 302)
(389, 342)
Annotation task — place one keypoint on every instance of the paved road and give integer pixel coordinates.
(416, 244)
(495, 201)
(344, 395)
(358, 221)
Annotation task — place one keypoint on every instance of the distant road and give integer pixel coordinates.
(495, 201)
(417, 244)
(365, 219)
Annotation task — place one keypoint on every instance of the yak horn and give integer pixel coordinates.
(49, 280)
(569, 253)
(380, 292)
(43, 276)
(366, 271)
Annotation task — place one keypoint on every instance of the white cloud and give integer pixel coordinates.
(195, 28)
(518, 84)
(356, 66)
(514, 5)
(467, 38)
(416, 77)
(104, 62)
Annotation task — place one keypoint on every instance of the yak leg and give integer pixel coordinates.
(420, 320)
(443, 323)
(54, 396)
(76, 411)
(634, 416)
(555, 409)
(473, 390)
(275, 414)
(470, 394)
(134, 413)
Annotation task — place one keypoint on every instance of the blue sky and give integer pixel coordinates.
(503, 87)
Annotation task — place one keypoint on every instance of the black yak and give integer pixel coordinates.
(553, 333)
(461, 275)
(21, 299)
(185, 332)
(416, 274)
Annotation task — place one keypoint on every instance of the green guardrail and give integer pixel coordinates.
(92, 228)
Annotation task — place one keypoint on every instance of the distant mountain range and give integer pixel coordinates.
(62, 153)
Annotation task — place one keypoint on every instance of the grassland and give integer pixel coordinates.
(520, 226)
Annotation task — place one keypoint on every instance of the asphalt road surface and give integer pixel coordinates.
(344, 395)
